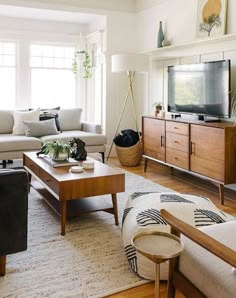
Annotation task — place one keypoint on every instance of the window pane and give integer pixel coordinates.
(9, 60)
(47, 62)
(59, 52)
(52, 87)
(68, 63)
(9, 48)
(36, 50)
(69, 52)
(48, 51)
(36, 62)
(7, 88)
(59, 62)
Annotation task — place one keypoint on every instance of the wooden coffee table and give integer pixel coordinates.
(73, 191)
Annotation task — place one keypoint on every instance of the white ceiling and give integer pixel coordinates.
(49, 15)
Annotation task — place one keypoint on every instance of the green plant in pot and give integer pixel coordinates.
(158, 107)
(87, 66)
(58, 150)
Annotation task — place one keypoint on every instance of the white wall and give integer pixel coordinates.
(85, 5)
(179, 19)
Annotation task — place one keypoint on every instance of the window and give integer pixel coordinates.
(7, 75)
(52, 80)
(95, 87)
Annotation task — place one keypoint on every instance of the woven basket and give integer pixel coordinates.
(130, 156)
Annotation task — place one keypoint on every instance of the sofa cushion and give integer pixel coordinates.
(19, 117)
(90, 139)
(70, 119)
(9, 142)
(213, 276)
(40, 128)
(6, 121)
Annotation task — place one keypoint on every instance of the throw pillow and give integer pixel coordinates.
(70, 119)
(47, 116)
(52, 110)
(40, 128)
(19, 117)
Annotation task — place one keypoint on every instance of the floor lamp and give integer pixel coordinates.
(129, 63)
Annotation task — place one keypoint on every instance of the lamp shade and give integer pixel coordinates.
(130, 62)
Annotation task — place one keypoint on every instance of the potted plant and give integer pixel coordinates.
(58, 150)
(158, 107)
(87, 74)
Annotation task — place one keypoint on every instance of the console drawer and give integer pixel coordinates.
(177, 141)
(49, 181)
(176, 127)
(31, 165)
(177, 158)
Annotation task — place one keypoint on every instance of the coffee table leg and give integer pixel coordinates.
(114, 202)
(63, 217)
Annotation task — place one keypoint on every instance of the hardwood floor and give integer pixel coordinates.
(181, 182)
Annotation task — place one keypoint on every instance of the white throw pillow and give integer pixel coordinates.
(19, 117)
(70, 119)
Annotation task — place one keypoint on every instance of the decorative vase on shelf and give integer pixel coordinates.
(160, 36)
(166, 43)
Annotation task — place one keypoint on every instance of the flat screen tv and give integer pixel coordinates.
(202, 89)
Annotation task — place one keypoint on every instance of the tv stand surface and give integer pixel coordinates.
(206, 150)
(208, 118)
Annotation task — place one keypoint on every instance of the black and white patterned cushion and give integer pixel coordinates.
(142, 213)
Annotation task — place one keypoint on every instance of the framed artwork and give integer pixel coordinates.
(211, 18)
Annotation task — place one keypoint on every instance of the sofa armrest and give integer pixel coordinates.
(217, 248)
(91, 127)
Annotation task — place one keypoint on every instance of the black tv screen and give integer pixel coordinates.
(202, 89)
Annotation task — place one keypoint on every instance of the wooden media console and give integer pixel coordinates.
(207, 150)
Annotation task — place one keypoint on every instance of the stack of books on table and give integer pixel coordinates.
(60, 163)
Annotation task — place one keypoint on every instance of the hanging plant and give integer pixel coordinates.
(75, 65)
(87, 67)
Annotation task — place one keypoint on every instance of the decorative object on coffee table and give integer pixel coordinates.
(78, 151)
(157, 247)
(57, 150)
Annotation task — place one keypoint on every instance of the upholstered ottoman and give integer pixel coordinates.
(142, 213)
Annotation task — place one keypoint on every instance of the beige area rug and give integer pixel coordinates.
(89, 261)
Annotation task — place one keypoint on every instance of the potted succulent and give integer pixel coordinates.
(58, 150)
(158, 107)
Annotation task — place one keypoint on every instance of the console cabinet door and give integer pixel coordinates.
(154, 138)
(207, 151)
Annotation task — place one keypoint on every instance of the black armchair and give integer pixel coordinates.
(13, 213)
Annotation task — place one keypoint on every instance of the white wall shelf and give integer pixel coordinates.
(199, 47)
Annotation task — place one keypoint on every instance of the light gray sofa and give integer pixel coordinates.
(12, 144)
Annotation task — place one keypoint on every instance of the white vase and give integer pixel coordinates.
(61, 156)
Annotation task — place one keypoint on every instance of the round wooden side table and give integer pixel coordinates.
(158, 247)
